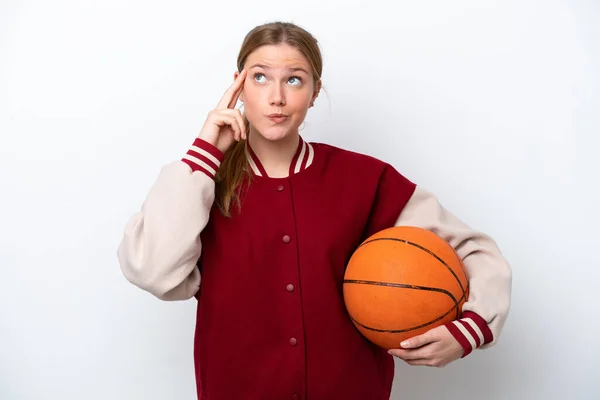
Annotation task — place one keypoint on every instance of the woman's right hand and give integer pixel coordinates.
(225, 124)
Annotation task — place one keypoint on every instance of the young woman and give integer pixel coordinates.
(258, 225)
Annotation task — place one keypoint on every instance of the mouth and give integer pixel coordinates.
(278, 118)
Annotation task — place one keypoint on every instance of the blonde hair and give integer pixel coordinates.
(235, 167)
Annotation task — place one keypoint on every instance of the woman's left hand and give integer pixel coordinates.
(436, 348)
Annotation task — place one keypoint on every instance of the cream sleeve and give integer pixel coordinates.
(489, 273)
(161, 243)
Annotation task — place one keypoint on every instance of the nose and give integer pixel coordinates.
(277, 96)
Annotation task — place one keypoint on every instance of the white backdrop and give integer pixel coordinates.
(492, 105)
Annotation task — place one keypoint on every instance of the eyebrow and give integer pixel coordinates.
(288, 69)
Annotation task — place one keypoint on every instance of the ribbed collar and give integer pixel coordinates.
(303, 158)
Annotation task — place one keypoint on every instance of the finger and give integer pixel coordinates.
(407, 355)
(222, 119)
(419, 341)
(414, 357)
(242, 123)
(240, 120)
(236, 96)
(420, 362)
(232, 94)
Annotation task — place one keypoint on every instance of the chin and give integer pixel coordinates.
(274, 133)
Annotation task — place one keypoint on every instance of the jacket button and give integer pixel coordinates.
(286, 239)
(296, 397)
(293, 341)
(290, 288)
(280, 188)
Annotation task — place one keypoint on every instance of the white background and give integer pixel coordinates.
(493, 105)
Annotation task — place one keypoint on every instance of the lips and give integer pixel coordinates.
(278, 118)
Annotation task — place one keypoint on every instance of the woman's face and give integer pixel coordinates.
(279, 81)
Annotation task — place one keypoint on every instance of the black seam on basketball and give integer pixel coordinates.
(415, 287)
(403, 330)
(464, 270)
(403, 286)
(418, 246)
(462, 266)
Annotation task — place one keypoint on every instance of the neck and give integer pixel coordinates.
(275, 156)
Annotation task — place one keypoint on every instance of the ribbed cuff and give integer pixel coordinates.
(205, 157)
(471, 331)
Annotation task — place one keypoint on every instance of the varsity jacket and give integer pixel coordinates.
(271, 321)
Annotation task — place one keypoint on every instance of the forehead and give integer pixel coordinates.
(278, 56)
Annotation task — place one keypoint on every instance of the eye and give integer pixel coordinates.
(298, 80)
(257, 75)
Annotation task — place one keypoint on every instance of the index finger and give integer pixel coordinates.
(406, 355)
(230, 97)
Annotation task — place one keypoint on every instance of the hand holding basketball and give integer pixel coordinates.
(435, 348)
(225, 124)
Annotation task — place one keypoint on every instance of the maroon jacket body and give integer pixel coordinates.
(271, 320)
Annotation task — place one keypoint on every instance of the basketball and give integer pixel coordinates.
(402, 282)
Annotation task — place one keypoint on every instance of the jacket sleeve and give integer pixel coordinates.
(490, 277)
(161, 243)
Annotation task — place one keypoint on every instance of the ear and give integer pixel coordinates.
(235, 75)
(316, 92)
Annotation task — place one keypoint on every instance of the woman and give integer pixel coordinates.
(258, 225)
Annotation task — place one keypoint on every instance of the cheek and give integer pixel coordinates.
(252, 101)
(252, 94)
(299, 103)
(253, 106)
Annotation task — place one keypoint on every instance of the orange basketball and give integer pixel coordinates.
(402, 282)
